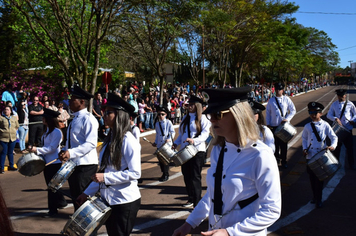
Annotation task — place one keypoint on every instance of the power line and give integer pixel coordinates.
(326, 13)
(346, 48)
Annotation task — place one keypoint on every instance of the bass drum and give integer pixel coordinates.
(30, 164)
(324, 164)
(285, 132)
(62, 176)
(184, 155)
(88, 218)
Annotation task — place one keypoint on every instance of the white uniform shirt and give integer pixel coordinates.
(349, 114)
(273, 114)
(268, 139)
(199, 142)
(246, 171)
(168, 132)
(51, 145)
(136, 132)
(83, 131)
(121, 185)
(324, 130)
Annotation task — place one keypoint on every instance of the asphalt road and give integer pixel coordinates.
(161, 210)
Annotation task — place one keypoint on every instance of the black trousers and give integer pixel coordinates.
(56, 199)
(348, 142)
(191, 171)
(164, 168)
(79, 181)
(316, 185)
(35, 133)
(122, 218)
(281, 147)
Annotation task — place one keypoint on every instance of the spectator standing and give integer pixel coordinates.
(149, 114)
(65, 102)
(52, 105)
(9, 95)
(8, 128)
(35, 116)
(141, 112)
(97, 112)
(23, 122)
(63, 121)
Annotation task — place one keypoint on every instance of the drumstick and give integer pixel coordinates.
(51, 162)
(144, 138)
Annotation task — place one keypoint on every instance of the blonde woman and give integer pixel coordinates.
(243, 195)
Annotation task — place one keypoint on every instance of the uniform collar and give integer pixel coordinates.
(81, 112)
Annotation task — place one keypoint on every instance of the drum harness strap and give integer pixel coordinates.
(279, 107)
(218, 194)
(343, 109)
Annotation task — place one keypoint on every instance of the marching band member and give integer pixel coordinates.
(344, 113)
(51, 141)
(314, 135)
(193, 130)
(266, 134)
(279, 109)
(243, 195)
(120, 168)
(82, 139)
(164, 134)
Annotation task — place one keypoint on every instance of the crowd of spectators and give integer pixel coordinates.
(28, 109)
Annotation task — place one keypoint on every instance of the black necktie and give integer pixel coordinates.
(217, 188)
(68, 132)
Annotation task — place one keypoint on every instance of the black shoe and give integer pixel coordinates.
(319, 204)
(2, 172)
(50, 214)
(12, 169)
(163, 178)
(139, 181)
(62, 206)
(313, 201)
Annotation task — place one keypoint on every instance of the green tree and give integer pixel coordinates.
(72, 32)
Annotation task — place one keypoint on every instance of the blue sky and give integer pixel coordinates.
(341, 28)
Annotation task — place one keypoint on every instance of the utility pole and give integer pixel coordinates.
(203, 61)
(351, 69)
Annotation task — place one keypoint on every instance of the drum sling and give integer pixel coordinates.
(315, 132)
(343, 110)
(279, 107)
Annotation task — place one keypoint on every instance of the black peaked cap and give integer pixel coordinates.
(116, 102)
(50, 113)
(341, 92)
(159, 108)
(256, 106)
(315, 106)
(195, 99)
(279, 86)
(222, 99)
(81, 93)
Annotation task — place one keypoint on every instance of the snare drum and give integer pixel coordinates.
(62, 175)
(340, 131)
(184, 155)
(324, 164)
(285, 132)
(30, 164)
(88, 218)
(165, 153)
